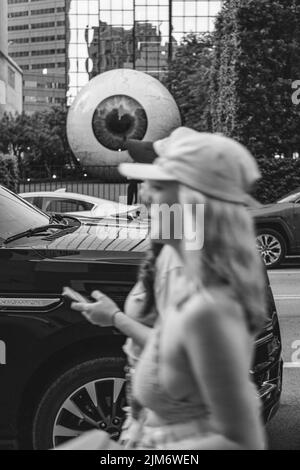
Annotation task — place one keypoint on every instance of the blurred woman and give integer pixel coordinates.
(200, 355)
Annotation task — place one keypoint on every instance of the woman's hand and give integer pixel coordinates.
(101, 312)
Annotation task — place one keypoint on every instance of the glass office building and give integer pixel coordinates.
(139, 34)
(62, 44)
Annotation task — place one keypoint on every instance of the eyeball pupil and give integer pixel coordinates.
(117, 124)
(118, 118)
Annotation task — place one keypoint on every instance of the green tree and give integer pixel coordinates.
(256, 60)
(188, 79)
(8, 172)
(38, 140)
(50, 148)
(16, 135)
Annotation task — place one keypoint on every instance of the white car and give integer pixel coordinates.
(79, 205)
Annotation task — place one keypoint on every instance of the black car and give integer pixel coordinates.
(278, 229)
(59, 375)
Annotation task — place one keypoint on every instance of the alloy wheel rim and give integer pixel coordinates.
(269, 248)
(98, 404)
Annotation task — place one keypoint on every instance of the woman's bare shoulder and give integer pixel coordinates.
(212, 308)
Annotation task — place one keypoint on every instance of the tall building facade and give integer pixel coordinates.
(10, 74)
(62, 44)
(37, 42)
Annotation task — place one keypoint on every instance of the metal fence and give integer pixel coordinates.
(103, 173)
(99, 181)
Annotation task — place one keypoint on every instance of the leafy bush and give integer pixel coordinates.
(256, 59)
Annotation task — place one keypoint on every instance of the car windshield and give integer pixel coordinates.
(290, 198)
(17, 216)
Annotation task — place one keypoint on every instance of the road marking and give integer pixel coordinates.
(286, 297)
(291, 365)
(283, 271)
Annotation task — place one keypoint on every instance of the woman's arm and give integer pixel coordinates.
(105, 312)
(132, 328)
(218, 347)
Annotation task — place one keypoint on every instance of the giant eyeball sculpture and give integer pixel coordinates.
(115, 106)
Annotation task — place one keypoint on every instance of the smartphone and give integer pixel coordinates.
(73, 295)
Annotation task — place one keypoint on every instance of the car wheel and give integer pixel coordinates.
(271, 246)
(90, 395)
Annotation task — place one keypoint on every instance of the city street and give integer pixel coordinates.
(109, 111)
(284, 429)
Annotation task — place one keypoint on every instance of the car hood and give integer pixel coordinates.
(271, 209)
(90, 241)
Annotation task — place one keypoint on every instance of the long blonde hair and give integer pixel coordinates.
(229, 255)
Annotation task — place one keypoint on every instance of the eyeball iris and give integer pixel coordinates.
(118, 118)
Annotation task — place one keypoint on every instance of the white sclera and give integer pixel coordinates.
(160, 107)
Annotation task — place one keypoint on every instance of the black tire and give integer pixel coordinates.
(108, 376)
(272, 247)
